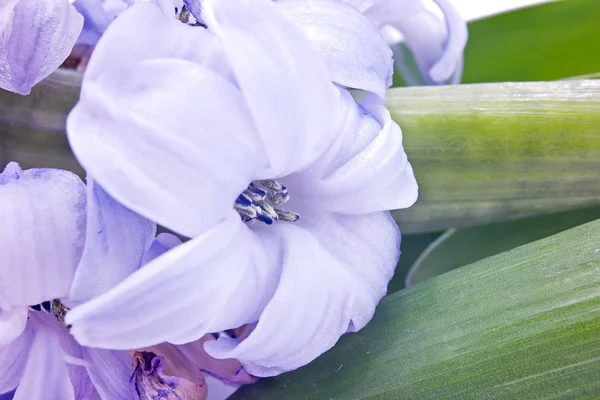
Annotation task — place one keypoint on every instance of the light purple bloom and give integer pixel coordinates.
(36, 36)
(436, 43)
(178, 128)
(43, 219)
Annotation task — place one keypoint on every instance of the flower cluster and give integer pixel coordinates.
(256, 131)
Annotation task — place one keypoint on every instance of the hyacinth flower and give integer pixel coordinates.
(36, 36)
(45, 264)
(236, 137)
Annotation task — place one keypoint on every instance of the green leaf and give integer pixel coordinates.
(523, 324)
(493, 152)
(544, 42)
(458, 247)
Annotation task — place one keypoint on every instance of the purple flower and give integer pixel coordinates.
(36, 36)
(43, 219)
(198, 130)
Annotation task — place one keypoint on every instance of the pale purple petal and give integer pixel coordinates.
(353, 49)
(42, 212)
(157, 37)
(45, 375)
(163, 243)
(116, 240)
(12, 361)
(166, 137)
(109, 371)
(216, 281)
(83, 388)
(365, 171)
(12, 323)
(436, 44)
(285, 83)
(310, 310)
(36, 37)
(335, 271)
(95, 20)
(46, 324)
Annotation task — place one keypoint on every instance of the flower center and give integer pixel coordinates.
(262, 201)
(54, 307)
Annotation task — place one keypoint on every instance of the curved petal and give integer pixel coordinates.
(365, 171)
(12, 361)
(176, 153)
(451, 61)
(352, 48)
(95, 20)
(116, 240)
(110, 372)
(437, 45)
(156, 37)
(12, 324)
(335, 271)
(163, 243)
(46, 354)
(368, 246)
(310, 309)
(280, 75)
(71, 353)
(36, 36)
(42, 215)
(164, 300)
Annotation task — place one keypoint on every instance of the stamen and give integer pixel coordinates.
(261, 201)
(54, 307)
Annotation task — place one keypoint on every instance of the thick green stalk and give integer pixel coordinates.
(491, 152)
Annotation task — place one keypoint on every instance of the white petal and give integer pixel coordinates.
(216, 281)
(12, 362)
(353, 49)
(309, 311)
(169, 139)
(280, 75)
(12, 324)
(365, 171)
(42, 215)
(36, 36)
(116, 240)
(46, 354)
